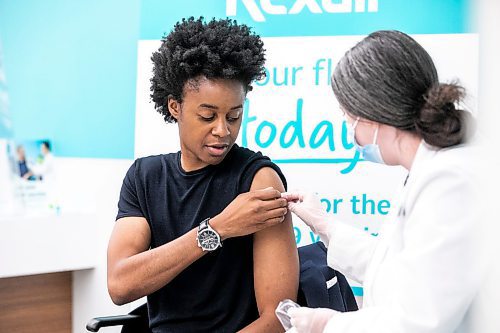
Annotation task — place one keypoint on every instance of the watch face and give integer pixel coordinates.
(208, 239)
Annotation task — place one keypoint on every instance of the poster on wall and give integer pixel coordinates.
(291, 115)
(29, 175)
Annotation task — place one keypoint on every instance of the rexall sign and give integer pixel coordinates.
(260, 9)
(281, 18)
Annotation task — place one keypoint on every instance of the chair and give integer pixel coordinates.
(134, 322)
(319, 286)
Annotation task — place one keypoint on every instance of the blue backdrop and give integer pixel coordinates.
(71, 65)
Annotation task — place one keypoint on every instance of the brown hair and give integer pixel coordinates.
(391, 79)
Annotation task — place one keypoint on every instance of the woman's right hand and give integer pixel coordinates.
(250, 212)
(307, 206)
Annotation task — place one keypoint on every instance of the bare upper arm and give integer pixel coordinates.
(130, 236)
(276, 264)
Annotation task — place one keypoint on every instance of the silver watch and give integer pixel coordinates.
(208, 239)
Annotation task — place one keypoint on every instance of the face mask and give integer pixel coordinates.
(370, 152)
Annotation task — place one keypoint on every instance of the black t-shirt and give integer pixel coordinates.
(215, 293)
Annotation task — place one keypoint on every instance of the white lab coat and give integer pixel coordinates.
(422, 271)
(46, 168)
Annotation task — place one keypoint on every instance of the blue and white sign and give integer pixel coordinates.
(292, 115)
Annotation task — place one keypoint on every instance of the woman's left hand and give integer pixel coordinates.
(307, 320)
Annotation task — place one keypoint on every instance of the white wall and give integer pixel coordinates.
(97, 182)
(486, 318)
(75, 239)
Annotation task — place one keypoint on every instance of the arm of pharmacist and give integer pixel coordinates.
(349, 249)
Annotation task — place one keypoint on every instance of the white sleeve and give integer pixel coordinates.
(429, 284)
(39, 169)
(44, 167)
(350, 250)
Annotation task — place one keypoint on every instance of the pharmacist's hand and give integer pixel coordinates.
(307, 320)
(307, 206)
(250, 212)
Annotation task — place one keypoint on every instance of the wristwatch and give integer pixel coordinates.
(208, 238)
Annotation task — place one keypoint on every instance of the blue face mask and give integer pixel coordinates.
(369, 152)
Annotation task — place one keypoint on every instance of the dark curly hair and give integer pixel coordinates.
(219, 49)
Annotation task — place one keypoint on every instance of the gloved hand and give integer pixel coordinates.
(307, 206)
(307, 320)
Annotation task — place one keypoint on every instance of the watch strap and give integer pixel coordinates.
(204, 224)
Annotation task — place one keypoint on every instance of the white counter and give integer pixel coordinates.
(37, 245)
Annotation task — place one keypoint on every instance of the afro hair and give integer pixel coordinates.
(219, 49)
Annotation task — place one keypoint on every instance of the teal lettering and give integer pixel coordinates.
(345, 132)
(327, 135)
(285, 77)
(319, 71)
(298, 235)
(368, 202)
(383, 207)
(369, 206)
(244, 123)
(354, 201)
(328, 204)
(314, 237)
(332, 206)
(374, 234)
(266, 133)
(258, 134)
(272, 75)
(294, 74)
(296, 125)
